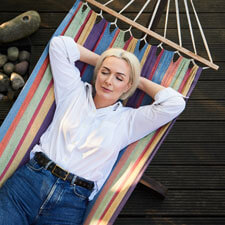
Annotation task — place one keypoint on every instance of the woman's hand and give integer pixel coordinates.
(149, 87)
(87, 56)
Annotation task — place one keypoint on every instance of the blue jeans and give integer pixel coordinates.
(34, 196)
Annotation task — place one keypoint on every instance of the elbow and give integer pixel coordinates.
(180, 105)
(54, 42)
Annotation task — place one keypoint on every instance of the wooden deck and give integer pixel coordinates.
(191, 161)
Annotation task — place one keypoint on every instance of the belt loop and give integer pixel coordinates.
(74, 179)
(48, 164)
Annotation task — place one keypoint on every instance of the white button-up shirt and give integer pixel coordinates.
(84, 140)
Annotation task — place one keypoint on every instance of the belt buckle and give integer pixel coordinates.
(57, 175)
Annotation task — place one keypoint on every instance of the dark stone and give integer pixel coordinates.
(3, 60)
(17, 81)
(8, 68)
(19, 27)
(24, 56)
(21, 68)
(4, 82)
(11, 93)
(13, 53)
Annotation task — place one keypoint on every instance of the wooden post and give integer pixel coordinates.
(154, 185)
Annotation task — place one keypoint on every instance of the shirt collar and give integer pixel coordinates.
(110, 108)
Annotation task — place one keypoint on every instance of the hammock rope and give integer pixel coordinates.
(152, 19)
(178, 22)
(120, 12)
(138, 15)
(190, 26)
(166, 22)
(202, 32)
(163, 39)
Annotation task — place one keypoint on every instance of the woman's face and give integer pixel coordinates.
(112, 79)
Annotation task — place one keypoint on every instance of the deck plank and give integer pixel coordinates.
(177, 203)
(201, 6)
(164, 220)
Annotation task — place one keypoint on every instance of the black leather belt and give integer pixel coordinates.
(57, 171)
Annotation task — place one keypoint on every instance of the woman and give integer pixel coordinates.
(90, 126)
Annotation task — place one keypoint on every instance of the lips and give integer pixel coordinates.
(106, 89)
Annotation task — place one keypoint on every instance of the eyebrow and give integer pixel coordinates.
(116, 72)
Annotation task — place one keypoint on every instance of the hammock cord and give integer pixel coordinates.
(108, 2)
(152, 19)
(194, 55)
(124, 8)
(178, 22)
(190, 26)
(166, 22)
(142, 9)
(100, 13)
(202, 33)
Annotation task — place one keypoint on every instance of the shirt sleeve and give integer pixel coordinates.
(63, 52)
(168, 104)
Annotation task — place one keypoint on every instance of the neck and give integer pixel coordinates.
(100, 103)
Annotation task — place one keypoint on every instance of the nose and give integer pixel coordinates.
(108, 80)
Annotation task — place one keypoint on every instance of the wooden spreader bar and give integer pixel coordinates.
(155, 35)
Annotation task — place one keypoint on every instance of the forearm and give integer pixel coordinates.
(87, 56)
(149, 87)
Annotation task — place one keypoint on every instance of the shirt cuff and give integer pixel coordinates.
(71, 48)
(165, 94)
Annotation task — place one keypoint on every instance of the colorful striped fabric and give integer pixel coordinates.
(34, 108)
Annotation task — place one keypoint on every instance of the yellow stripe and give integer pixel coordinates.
(31, 134)
(132, 45)
(190, 80)
(145, 55)
(131, 178)
(87, 29)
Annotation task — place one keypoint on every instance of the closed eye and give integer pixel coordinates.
(118, 78)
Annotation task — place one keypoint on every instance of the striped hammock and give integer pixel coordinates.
(34, 108)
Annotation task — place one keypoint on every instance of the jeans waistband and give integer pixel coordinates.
(57, 171)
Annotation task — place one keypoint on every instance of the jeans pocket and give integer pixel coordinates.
(82, 193)
(33, 165)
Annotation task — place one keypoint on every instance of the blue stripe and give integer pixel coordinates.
(139, 53)
(162, 67)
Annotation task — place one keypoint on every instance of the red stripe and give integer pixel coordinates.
(82, 27)
(127, 43)
(27, 129)
(114, 39)
(131, 170)
(156, 65)
(24, 106)
(171, 72)
(185, 79)
(80, 4)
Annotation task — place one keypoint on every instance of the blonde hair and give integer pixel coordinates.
(132, 61)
